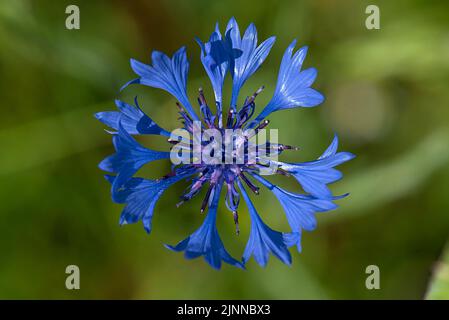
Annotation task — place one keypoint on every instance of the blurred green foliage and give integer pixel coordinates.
(387, 98)
(439, 286)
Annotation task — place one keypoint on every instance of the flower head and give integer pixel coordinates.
(220, 151)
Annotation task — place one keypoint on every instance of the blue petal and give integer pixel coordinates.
(293, 85)
(300, 209)
(141, 196)
(251, 58)
(233, 30)
(314, 176)
(130, 156)
(215, 59)
(166, 74)
(206, 241)
(263, 240)
(133, 120)
(332, 149)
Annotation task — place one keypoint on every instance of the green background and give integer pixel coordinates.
(386, 96)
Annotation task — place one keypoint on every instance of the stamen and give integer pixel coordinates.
(179, 204)
(236, 222)
(259, 91)
(262, 125)
(277, 147)
(180, 142)
(168, 175)
(201, 98)
(253, 97)
(184, 115)
(206, 198)
(245, 114)
(182, 110)
(208, 116)
(283, 172)
(253, 188)
(196, 186)
(230, 119)
(219, 114)
(283, 147)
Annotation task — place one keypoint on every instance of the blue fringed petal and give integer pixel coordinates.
(263, 240)
(133, 120)
(215, 56)
(300, 209)
(130, 156)
(141, 196)
(314, 176)
(206, 241)
(251, 58)
(293, 85)
(166, 74)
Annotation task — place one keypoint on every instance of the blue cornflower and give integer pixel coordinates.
(231, 172)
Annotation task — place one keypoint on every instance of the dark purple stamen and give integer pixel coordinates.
(283, 147)
(188, 122)
(253, 188)
(206, 198)
(262, 125)
(283, 172)
(201, 97)
(236, 222)
(230, 120)
(251, 99)
(168, 175)
(208, 116)
(244, 114)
